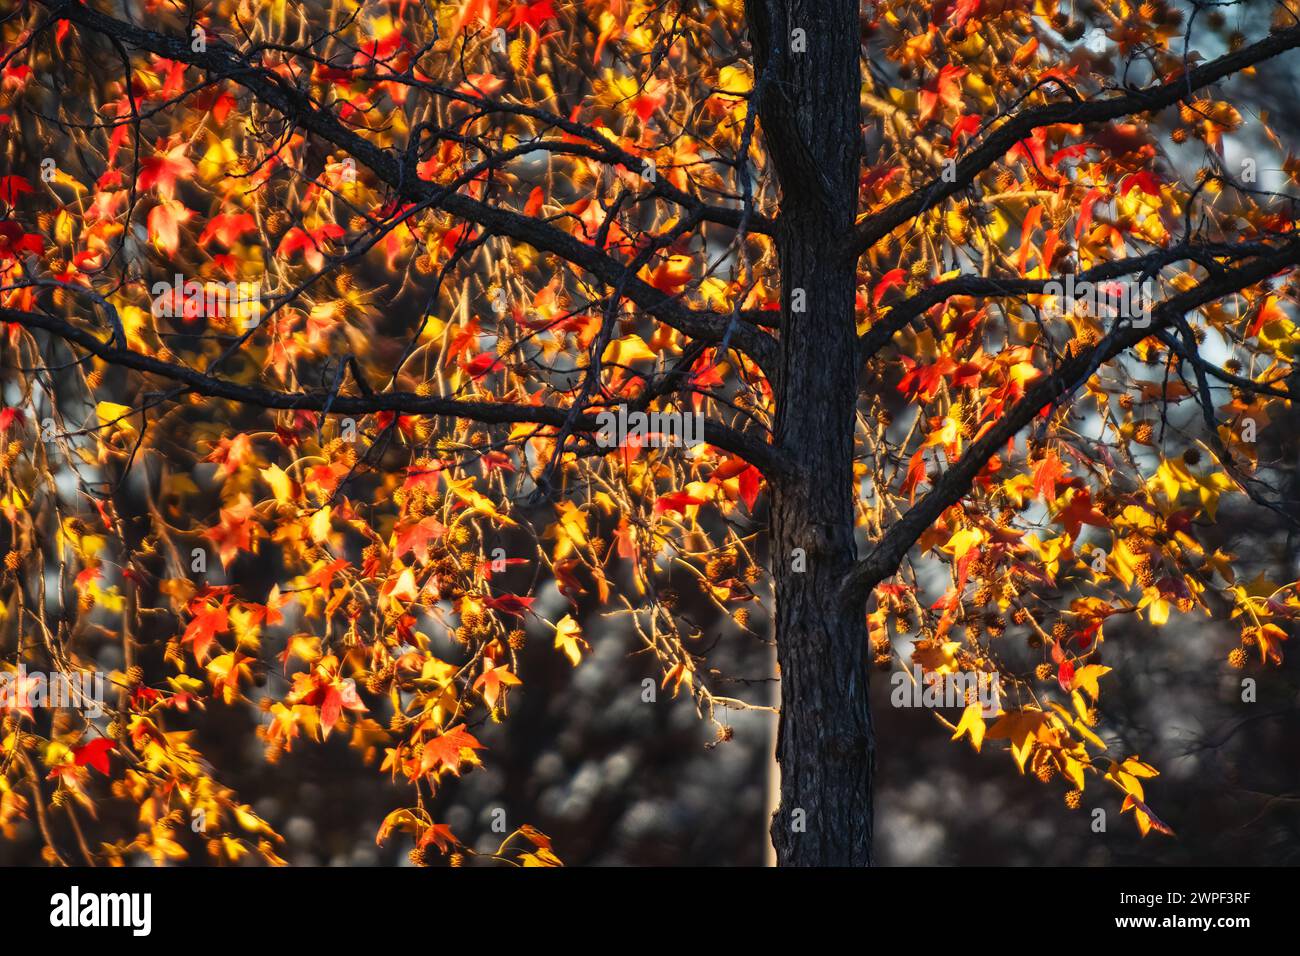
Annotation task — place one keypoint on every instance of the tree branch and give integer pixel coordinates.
(273, 90)
(954, 484)
(758, 453)
(906, 311)
(1004, 137)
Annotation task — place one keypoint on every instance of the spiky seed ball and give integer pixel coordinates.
(1144, 434)
(12, 560)
(277, 222)
(1043, 671)
(983, 594)
(416, 856)
(425, 265)
(1237, 658)
(1074, 799)
(1020, 616)
(1046, 772)
(1093, 717)
(516, 639)
(398, 723)
(1060, 631)
(725, 734)
(1144, 572)
(996, 624)
(1248, 638)
(135, 675)
(741, 617)
(1126, 402)
(60, 797)
(753, 574)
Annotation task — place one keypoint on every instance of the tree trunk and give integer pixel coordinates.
(808, 90)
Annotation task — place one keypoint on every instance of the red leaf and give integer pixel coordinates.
(511, 604)
(444, 751)
(534, 204)
(204, 628)
(750, 481)
(894, 277)
(94, 754)
(11, 187)
(1047, 475)
(677, 501)
(1146, 181)
(227, 228)
(1065, 676)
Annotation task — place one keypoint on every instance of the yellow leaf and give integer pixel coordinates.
(1020, 727)
(115, 416)
(568, 638)
(972, 722)
(1086, 678)
(627, 350)
(320, 525)
(963, 541)
(280, 484)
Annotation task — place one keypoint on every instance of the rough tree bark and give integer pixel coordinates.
(808, 82)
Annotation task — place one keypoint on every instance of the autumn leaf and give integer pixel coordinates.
(568, 638)
(94, 754)
(449, 750)
(490, 682)
(972, 724)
